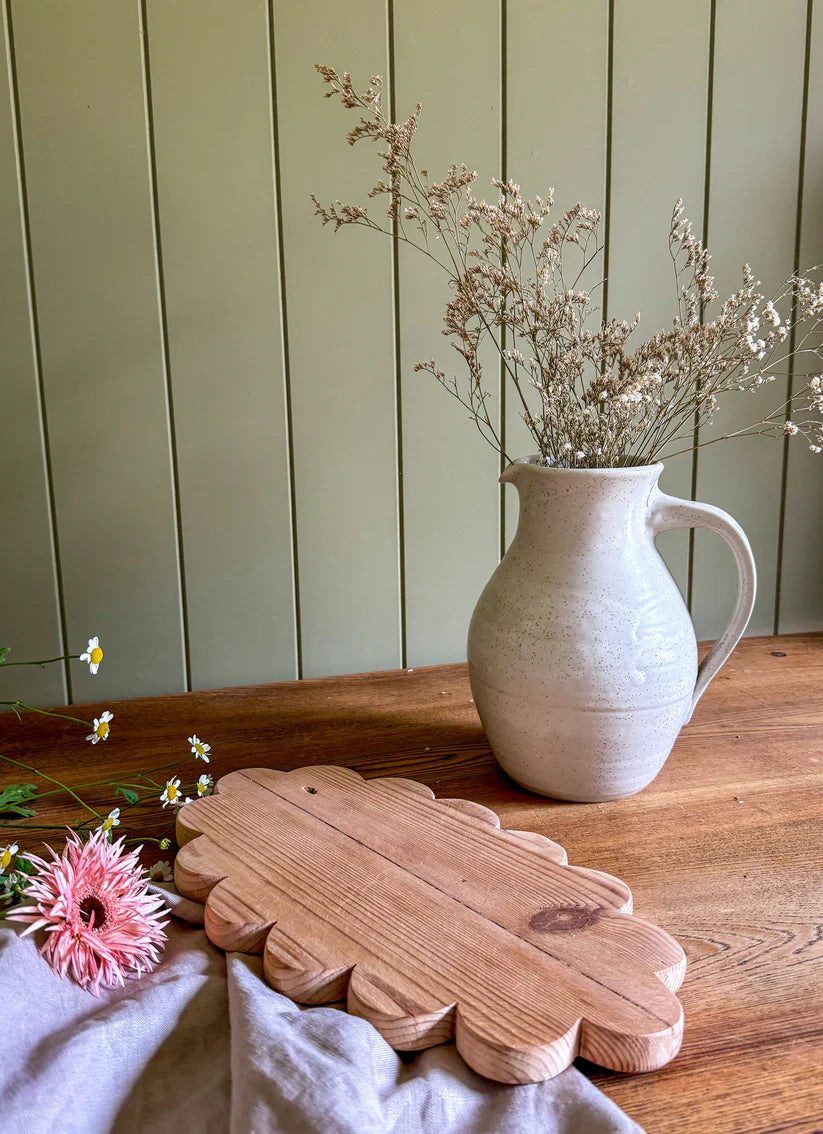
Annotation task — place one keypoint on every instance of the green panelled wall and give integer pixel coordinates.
(341, 362)
(441, 584)
(658, 154)
(800, 590)
(79, 82)
(568, 152)
(757, 116)
(28, 566)
(217, 454)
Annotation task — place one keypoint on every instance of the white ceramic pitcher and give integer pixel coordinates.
(582, 655)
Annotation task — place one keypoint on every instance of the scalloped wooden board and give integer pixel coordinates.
(431, 922)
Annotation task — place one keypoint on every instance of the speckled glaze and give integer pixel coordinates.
(582, 655)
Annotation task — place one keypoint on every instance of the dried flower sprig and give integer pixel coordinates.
(588, 400)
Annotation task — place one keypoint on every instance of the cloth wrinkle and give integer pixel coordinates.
(203, 1043)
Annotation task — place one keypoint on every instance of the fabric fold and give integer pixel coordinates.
(203, 1043)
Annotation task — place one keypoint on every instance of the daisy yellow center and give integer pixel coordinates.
(102, 730)
(96, 655)
(90, 907)
(5, 858)
(107, 823)
(200, 749)
(172, 791)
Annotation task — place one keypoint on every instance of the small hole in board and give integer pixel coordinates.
(778, 654)
(311, 790)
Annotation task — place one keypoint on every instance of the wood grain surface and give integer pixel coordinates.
(723, 850)
(431, 922)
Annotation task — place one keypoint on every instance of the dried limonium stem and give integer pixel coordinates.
(515, 276)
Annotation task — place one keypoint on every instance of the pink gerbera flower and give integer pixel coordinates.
(101, 922)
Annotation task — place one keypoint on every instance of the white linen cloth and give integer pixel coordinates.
(203, 1045)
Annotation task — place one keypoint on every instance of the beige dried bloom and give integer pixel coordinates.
(590, 396)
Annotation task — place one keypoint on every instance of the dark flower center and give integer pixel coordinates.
(90, 906)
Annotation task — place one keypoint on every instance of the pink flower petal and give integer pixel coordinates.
(101, 923)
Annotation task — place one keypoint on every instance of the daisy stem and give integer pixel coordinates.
(162, 768)
(151, 839)
(52, 780)
(119, 783)
(44, 712)
(22, 825)
(47, 661)
(94, 783)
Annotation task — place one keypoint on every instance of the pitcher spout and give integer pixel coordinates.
(511, 474)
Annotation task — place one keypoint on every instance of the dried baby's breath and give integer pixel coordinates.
(589, 398)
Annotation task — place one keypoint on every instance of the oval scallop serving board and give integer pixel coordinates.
(431, 922)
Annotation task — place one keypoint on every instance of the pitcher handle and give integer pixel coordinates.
(668, 512)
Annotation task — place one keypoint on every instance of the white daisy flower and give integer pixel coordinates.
(204, 784)
(161, 872)
(93, 655)
(6, 855)
(171, 793)
(101, 727)
(199, 748)
(112, 820)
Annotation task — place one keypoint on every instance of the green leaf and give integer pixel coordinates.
(130, 796)
(13, 796)
(4, 653)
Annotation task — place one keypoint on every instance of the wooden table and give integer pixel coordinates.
(724, 849)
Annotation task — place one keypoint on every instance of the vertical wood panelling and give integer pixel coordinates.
(658, 155)
(758, 87)
(208, 396)
(449, 471)
(29, 617)
(341, 347)
(213, 146)
(83, 121)
(801, 583)
(555, 129)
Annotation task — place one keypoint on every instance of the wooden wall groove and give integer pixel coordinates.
(30, 574)
(219, 458)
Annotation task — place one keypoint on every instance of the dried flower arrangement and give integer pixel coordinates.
(587, 398)
(102, 923)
